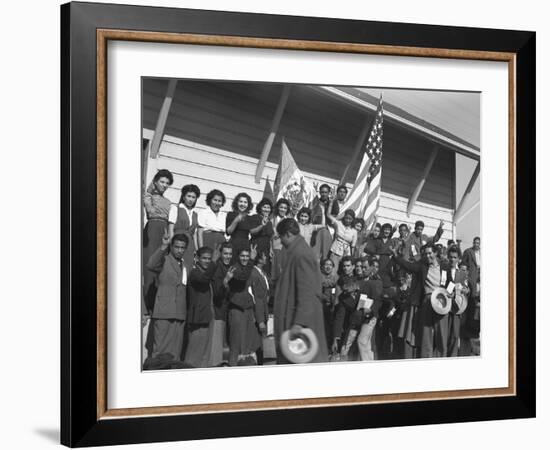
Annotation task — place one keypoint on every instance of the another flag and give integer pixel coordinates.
(364, 197)
(291, 184)
(268, 190)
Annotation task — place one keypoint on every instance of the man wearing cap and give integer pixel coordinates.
(298, 295)
(432, 331)
(416, 240)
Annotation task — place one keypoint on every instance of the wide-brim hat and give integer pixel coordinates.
(301, 347)
(441, 301)
(460, 303)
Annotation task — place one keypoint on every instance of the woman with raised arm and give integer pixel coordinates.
(345, 236)
(262, 230)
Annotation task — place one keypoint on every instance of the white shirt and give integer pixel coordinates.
(211, 221)
(478, 257)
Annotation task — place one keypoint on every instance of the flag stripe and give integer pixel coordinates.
(356, 196)
(371, 204)
(364, 197)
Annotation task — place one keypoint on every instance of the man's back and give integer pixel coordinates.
(298, 294)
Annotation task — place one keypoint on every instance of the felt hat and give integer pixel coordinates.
(301, 347)
(441, 301)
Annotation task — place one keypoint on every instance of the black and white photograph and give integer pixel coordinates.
(296, 223)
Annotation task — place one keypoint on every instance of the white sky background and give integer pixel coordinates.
(458, 113)
(469, 226)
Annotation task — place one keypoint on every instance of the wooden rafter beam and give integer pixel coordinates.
(162, 118)
(418, 189)
(357, 149)
(272, 132)
(460, 207)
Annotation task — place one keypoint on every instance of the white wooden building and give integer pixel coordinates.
(211, 134)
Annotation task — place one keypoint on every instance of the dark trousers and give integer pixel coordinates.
(435, 331)
(388, 345)
(454, 334)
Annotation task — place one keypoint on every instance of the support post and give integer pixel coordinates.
(468, 211)
(272, 132)
(422, 181)
(473, 179)
(163, 116)
(358, 147)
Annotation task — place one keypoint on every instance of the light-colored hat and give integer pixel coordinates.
(300, 348)
(441, 301)
(460, 303)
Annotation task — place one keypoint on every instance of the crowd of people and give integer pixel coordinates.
(217, 284)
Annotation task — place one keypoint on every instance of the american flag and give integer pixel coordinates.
(364, 197)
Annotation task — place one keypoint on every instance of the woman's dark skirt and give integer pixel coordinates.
(152, 239)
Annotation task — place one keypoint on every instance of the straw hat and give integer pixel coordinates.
(300, 348)
(441, 301)
(460, 302)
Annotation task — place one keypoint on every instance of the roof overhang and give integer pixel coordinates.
(432, 133)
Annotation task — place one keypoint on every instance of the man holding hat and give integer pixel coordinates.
(458, 277)
(432, 327)
(298, 296)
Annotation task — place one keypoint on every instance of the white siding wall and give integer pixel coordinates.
(210, 167)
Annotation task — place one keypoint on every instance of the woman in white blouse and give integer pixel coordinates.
(211, 231)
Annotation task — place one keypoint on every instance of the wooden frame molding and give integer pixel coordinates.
(103, 36)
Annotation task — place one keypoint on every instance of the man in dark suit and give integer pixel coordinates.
(170, 307)
(454, 275)
(472, 258)
(298, 293)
